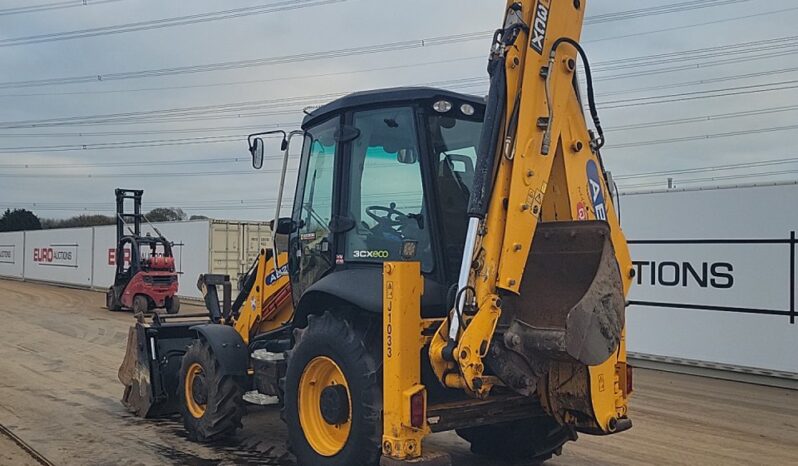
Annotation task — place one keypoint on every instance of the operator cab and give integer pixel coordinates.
(385, 176)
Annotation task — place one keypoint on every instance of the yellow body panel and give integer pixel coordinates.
(268, 305)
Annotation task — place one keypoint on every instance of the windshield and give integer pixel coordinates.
(454, 147)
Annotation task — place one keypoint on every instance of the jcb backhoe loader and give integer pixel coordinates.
(451, 263)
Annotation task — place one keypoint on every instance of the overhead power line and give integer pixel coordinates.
(167, 22)
(261, 127)
(239, 109)
(53, 6)
(708, 94)
(740, 51)
(267, 61)
(249, 81)
(746, 17)
(702, 137)
(714, 168)
(659, 10)
(137, 175)
(711, 179)
(240, 137)
(703, 119)
(131, 163)
(288, 5)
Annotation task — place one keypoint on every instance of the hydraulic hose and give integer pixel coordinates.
(591, 97)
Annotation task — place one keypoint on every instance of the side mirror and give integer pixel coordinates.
(407, 156)
(256, 149)
(285, 226)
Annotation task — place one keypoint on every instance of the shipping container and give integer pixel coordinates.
(234, 246)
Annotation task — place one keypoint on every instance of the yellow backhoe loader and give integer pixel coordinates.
(450, 263)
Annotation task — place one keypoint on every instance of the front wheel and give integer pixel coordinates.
(211, 403)
(172, 305)
(333, 400)
(111, 303)
(140, 305)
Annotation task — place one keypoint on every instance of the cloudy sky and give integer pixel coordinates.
(159, 94)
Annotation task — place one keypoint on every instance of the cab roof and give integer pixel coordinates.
(380, 97)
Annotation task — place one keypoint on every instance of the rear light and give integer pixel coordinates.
(629, 387)
(417, 409)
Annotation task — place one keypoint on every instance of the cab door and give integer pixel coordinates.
(311, 243)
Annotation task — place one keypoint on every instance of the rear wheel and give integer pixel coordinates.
(333, 402)
(211, 403)
(533, 440)
(172, 305)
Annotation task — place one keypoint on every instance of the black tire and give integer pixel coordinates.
(223, 402)
(533, 440)
(172, 305)
(357, 353)
(141, 304)
(111, 302)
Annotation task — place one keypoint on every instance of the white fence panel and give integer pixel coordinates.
(12, 254)
(191, 244)
(715, 275)
(59, 256)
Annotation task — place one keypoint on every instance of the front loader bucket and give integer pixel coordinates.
(570, 306)
(151, 368)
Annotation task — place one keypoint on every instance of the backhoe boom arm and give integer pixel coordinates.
(546, 267)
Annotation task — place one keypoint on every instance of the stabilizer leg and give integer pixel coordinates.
(404, 397)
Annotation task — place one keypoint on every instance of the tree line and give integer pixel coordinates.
(23, 219)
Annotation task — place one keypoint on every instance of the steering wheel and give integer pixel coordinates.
(390, 216)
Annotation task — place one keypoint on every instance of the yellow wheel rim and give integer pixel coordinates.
(327, 439)
(197, 410)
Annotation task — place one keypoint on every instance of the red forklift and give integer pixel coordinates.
(145, 277)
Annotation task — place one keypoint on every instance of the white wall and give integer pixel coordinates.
(60, 256)
(751, 280)
(12, 254)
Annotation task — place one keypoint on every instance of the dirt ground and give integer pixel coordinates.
(12, 454)
(60, 350)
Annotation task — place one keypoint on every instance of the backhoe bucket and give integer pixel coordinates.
(571, 302)
(151, 368)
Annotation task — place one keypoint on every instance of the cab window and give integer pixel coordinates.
(386, 195)
(454, 146)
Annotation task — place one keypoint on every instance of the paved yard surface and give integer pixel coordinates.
(60, 350)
